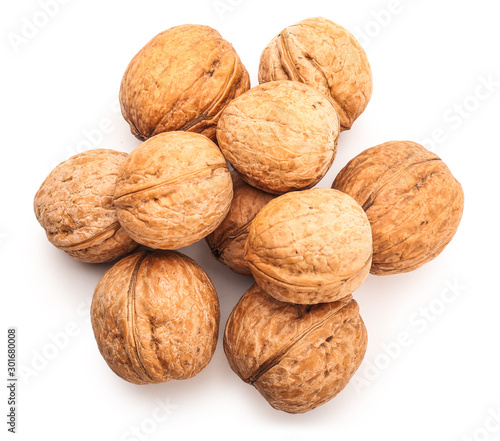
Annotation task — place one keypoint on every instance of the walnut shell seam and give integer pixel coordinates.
(276, 358)
(134, 355)
(226, 88)
(305, 286)
(105, 234)
(174, 181)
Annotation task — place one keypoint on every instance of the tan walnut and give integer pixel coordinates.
(310, 246)
(227, 241)
(324, 55)
(74, 206)
(180, 81)
(412, 200)
(173, 190)
(155, 317)
(297, 356)
(280, 136)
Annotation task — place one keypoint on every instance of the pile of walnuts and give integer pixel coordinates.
(296, 334)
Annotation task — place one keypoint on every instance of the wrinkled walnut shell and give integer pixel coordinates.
(309, 247)
(326, 56)
(280, 136)
(298, 357)
(412, 200)
(74, 206)
(227, 242)
(155, 317)
(173, 190)
(181, 81)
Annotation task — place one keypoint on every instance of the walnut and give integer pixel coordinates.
(412, 200)
(298, 357)
(227, 242)
(326, 56)
(280, 136)
(180, 81)
(74, 206)
(155, 317)
(309, 247)
(173, 190)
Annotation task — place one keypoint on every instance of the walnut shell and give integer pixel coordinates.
(74, 206)
(180, 81)
(309, 247)
(280, 136)
(155, 317)
(227, 241)
(324, 55)
(412, 200)
(173, 190)
(298, 357)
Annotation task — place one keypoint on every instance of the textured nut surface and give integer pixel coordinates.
(155, 317)
(311, 246)
(181, 80)
(280, 136)
(324, 55)
(173, 190)
(74, 206)
(412, 200)
(298, 357)
(227, 242)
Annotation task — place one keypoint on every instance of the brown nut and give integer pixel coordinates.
(309, 247)
(324, 55)
(180, 81)
(74, 206)
(173, 190)
(280, 136)
(412, 200)
(298, 357)
(155, 317)
(227, 242)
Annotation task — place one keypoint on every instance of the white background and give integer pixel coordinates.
(59, 84)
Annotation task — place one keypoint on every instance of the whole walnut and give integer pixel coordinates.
(310, 247)
(155, 317)
(74, 206)
(227, 241)
(298, 357)
(280, 136)
(180, 81)
(173, 190)
(324, 55)
(412, 200)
